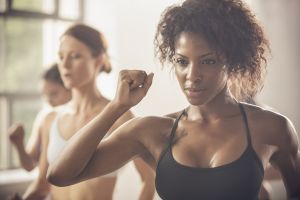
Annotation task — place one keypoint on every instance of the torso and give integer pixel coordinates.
(212, 145)
(98, 188)
(226, 139)
(95, 189)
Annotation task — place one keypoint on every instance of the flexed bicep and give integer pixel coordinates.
(113, 152)
(88, 155)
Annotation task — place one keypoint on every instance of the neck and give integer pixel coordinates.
(221, 106)
(85, 98)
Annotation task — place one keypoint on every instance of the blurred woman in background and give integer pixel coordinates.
(82, 56)
(55, 94)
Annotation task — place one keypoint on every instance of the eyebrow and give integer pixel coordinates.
(202, 56)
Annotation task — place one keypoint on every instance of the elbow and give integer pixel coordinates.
(28, 168)
(28, 165)
(56, 179)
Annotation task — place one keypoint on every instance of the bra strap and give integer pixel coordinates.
(246, 123)
(173, 131)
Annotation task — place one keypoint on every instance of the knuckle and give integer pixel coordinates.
(122, 72)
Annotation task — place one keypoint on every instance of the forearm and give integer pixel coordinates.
(81, 147)
(147, 178)
(25, 159)
(36, 191)
(147, 191)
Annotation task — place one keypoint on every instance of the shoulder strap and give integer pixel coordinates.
(244, 115)
(173, 131)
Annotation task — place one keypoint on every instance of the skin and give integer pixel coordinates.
(54, 94)
(211, 135)
(79, 69)
(270, 174)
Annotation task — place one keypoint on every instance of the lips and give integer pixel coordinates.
(194, 92)
(67, 75)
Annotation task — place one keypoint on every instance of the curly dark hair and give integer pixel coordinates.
(230, 29)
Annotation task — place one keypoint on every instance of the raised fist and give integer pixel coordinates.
(16, 133)
(133, 85)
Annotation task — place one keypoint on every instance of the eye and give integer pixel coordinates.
(181, 62)
(60, 57)
(208, 62)
(75, 55)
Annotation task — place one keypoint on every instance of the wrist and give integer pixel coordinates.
(18, 144)
(119, 106)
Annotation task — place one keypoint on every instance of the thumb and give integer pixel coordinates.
(148, 82)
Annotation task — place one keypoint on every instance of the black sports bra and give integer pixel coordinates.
(238, 180)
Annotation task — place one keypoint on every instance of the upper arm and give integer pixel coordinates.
(287, 157)
(40, 186)
(124, 118)
(115, 151)
(44, 134)
(33, 146)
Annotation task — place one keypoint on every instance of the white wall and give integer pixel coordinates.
(281, 22)
(130, 28)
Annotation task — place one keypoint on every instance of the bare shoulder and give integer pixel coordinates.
(124, 118)
(174, 115)
(274, 127)
(150, 123)
(47, 121)
(145, 127)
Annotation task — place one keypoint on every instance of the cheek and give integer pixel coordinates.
(221, 79)
(180, 77)
(81, 73)
(224, 76)
(79, 66)
(87, 68)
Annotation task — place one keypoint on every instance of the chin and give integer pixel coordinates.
(68, 86)
(197, 102)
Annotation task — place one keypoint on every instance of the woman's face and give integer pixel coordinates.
(54, 93)
(199, 70)
(76, 64)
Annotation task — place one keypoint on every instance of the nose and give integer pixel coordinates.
(65, 63)
(194, 72)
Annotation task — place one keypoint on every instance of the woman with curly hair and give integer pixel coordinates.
(217, 147)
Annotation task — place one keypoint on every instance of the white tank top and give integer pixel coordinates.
(57, 143)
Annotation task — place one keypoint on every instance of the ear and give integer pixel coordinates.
(99, 61)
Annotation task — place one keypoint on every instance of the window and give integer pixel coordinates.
(29, 32)
(45, 6)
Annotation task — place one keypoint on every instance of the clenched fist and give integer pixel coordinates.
(16, 133)
(133, 85)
